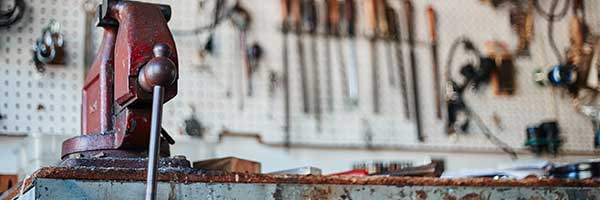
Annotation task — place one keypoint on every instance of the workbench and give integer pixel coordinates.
(111, 183)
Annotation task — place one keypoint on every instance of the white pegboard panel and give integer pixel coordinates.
(209, 88)
(481, 23)
(43, 103)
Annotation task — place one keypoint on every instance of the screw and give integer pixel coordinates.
(179, 157)
(76, 156)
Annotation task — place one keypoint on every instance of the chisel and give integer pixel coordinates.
(310, 21)
(410, 25)
(396, 39)
(296, 21)
(333, 20)
(349, 20)
(432, 22)
(370, 7)
(286, 75)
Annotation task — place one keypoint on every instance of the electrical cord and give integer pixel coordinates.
(218, 18)
(489, 135)
(470, 47)
(10, 17)
(550, 15)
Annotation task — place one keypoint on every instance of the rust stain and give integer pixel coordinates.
(277, 194)
(472, 196)
(319, 193)
(449, 197)
(560, 195)
(421, 195)
(536, 198)
(592, 195)
(172, 195)
(346, 195)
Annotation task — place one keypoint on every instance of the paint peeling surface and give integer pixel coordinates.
(82, 183)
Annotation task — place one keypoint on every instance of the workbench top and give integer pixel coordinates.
(288, 186)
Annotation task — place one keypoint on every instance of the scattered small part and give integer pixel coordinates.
(100, 155)
(354, 172)
(229, 164)
(179, 157)
(544, 137)
(308, 170)
(382, 167)
(75, 156)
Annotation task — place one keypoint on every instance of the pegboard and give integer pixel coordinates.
(46, 103)
(210, 87)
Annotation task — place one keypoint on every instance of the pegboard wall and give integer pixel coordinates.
(34, 102)
(210, 87)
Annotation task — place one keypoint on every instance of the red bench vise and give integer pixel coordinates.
(136, 53)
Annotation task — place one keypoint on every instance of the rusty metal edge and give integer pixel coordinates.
(191, 176)
(187, 176)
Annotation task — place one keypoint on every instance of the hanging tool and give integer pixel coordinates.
(521, 21)
(370, 7)
(285, 27)
(49, 49)
(348, 23)
(296, 24)
(339, 41)
(241, 19)
(332, 29)
(8, 18)
(274, 84)
(396, 39)
(437, 93)
(410, 22)
(310, 24)
(254, 55)
(385, 32)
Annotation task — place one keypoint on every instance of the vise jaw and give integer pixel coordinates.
(116, 108)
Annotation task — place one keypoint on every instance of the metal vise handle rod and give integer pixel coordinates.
(154, 147)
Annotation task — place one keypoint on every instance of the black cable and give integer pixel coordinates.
(10, 17)
(550, 15)
(551, 18)
(467, 44)
(489, 135)
(219, 16)
(202, 29)
(470, 47)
